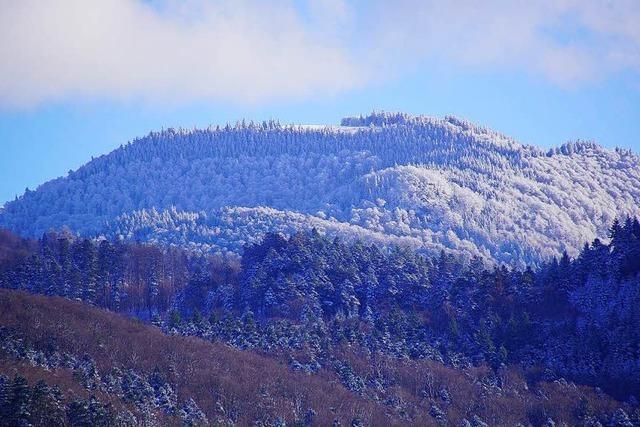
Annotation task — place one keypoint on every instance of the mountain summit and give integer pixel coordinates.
(388, 178)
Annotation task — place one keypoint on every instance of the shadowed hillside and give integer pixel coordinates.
(226, 384)
(307, 330)
(40, 335)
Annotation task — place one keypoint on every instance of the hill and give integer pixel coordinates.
(92, 351)
(116, 371)
(422, 340)
(432, 183)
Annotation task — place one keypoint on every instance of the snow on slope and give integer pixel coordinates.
(385, 178)
(227, 230)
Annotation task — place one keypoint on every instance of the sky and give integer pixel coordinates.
(78, 78)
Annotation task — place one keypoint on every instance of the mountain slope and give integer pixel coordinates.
(230, 386)
(438, 183)
(149, 378)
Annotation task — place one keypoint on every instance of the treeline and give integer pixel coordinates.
(307, 295)
(142, 280)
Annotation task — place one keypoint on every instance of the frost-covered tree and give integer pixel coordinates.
(385, 178)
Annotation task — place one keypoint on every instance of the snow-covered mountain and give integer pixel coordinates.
(386, 178)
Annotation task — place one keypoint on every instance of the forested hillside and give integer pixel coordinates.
(423, 339)
(386, 179)
(102, 369)
(392, 270)
(99, 368)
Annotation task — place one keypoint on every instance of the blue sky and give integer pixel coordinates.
(76, 82)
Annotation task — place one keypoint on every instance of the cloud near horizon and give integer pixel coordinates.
(175, 51)
(248, 52)
(568, 42)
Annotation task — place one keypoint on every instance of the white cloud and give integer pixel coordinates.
(566, 41)
(251, 51)
(244, 51)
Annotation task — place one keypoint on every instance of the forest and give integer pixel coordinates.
(320, 306)
(385, 179)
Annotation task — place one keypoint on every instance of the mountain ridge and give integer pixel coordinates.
(446, 182)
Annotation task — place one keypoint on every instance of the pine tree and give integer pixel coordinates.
(99, 414)
(78, 414)
(19, 402)
(46, 406)
(5, 397)
(191, 414)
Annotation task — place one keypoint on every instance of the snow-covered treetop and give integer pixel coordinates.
(440, 183)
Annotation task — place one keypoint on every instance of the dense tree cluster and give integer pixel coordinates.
(226, 231)
(42, 405)
(440, 183)
(149, 393)
(138, 279)
(308, 295)
(573, 318)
